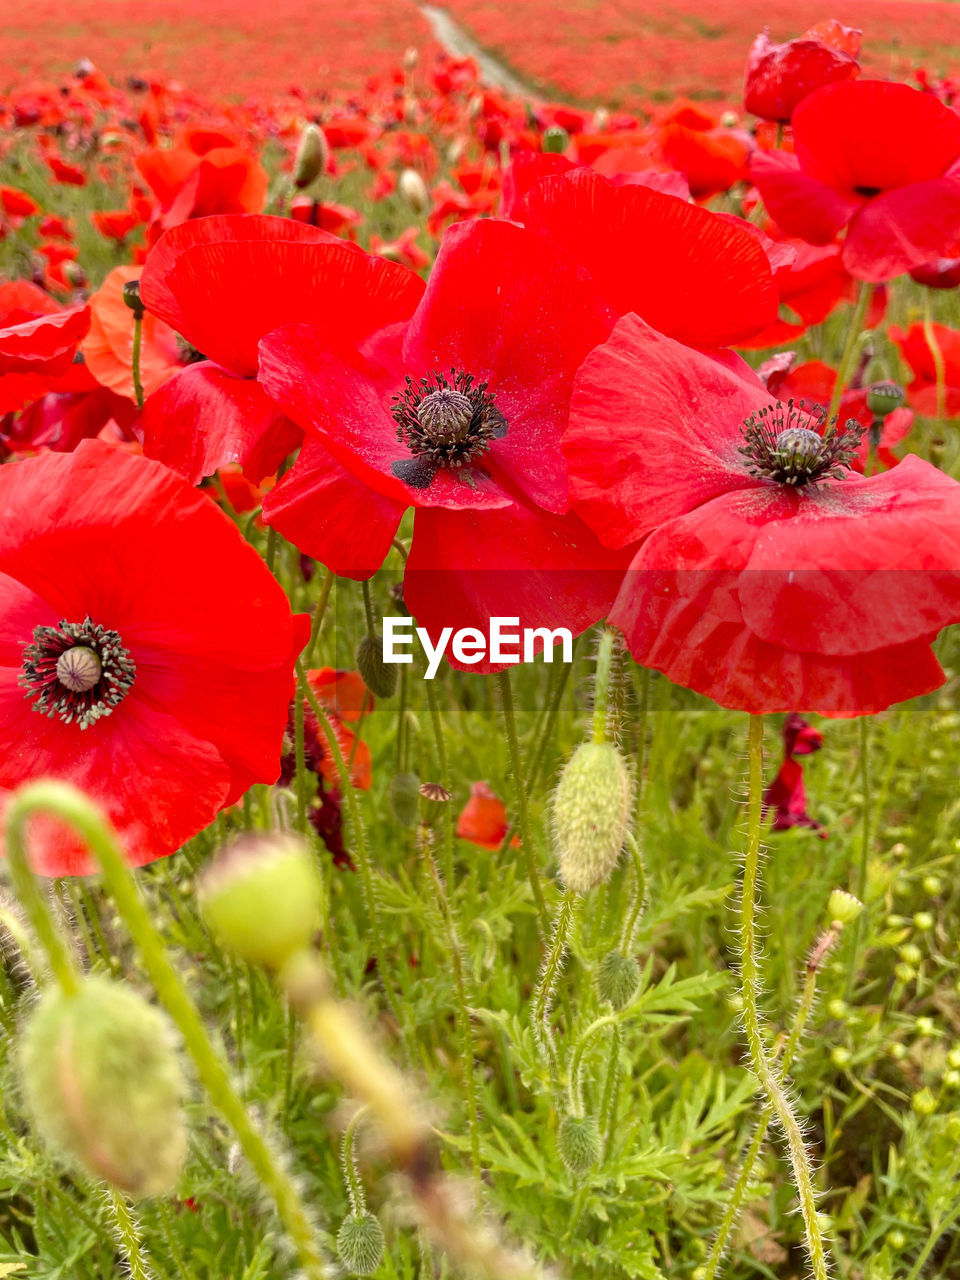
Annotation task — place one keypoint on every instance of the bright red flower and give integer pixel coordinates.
(915, 349)
(767, 577)
(483, 819)
(458, 414)
(879, 160)
(146, 653)
(38, 345)
(68, 174)
(223, 283)
(810, 287)
(786, 795)
(17, 204)
(205, 173)
(116, 224)
(942, 274)
(780, 76)
(695, 275)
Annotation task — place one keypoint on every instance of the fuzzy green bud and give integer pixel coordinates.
(261, 897)
(843, 907)
(311, 158)
(578, 1144)
(380, 677)
(591, 810)
(555, 140)
(924, 920)
(618, 978)
(102, 1078)
(923, 1102)
(360, 1243)
(884, 397)
(403, 797)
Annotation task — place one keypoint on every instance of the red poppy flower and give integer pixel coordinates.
(146, 653)
(810, 287)
(223, 283)
(116, 224)
(699, 277)
(881, 160)
(768, 577)
(780, 76)
(346, 699)
(338, 219)
(458, 414)
(942, 274)
(483, 819)
(915, 349)
(17, 204)
(205, 173)
(786, 795)
(68, 174)
(108, 347)
(38, 345)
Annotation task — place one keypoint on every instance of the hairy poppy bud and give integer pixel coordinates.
(103, 1081)
(578, 1143)
(360, 1243)
(261, 897)
(312, 156)
(412, 188)
(617, 979)
(843, 907)
(884, 397)
(591, 809)
(555, 139)
(403, 797)
(380, 677)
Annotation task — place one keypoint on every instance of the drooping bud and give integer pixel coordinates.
(261, 897)
(412, 189)
(312, 156)
(884, 397)
(591, 810)
(843, 907)
(555, 140)
(360, 1243)
(380, 677)
(403, 797)
(578, 1144)
(618, 978)
(103, 1081)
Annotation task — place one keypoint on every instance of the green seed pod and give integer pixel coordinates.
(131, 296)
(578, 1144)
(380, 677)
(591, 809)
(617, 979)
(403, 797)
(312, 156)
(884, 397)
(103, 1081)
(555, 139)
(843, 907)
(360, 1243)
(261, 897)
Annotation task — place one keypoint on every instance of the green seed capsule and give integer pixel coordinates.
(103, 1081)
(555, 139)
(884, 397)
(360, 1243)
(578, 1144)
(591, 809)
(380, 677)
(617, 979)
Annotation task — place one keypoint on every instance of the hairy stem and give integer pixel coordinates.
(523, 813)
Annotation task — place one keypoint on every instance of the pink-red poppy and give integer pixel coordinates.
(780, 76)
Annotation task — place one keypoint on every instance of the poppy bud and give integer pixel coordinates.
(312, 156)
(884, 397)
(261, 897)
(360, 1243)
(411, 57)
(412, 188)
(555, 139)
(131, 296)
(578, 1144)
(103, 1081)
(617, 979)
(380, 677)
(843, 907)
(403, 797)
(591, 808)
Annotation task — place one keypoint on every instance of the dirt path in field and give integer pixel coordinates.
(462, 45)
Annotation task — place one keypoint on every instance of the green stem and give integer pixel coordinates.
(351, 1174)
(552, 968)
(63, 963)
(526, 834)
(853, 335)
(642, 717)
(865, 841)
(639, 899)
(575, 1086)
(440, 744)
(300, 757)
(135, 356)
(937, 354)
(601, 686)
(611, 1090)
(750, 985)
(318, 616)
(31, 957)
(71, 807)
(128, 1236)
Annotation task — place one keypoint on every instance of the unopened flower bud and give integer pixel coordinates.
(884, 397)
(360, 1243)
(591, 809)
(103, 1081)
(728, 120)
(923, 920)
(380, 677)
(411, 57)
(601, 120)
(843, 907)
(131, 296)
(261, 897)
(923, 1102)
(412, 188)
(578, 1144)
(312, 156)
(403, 797)
(555, 139)
(617, 979)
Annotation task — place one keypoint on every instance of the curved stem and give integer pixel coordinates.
(639, 899)
(853, 334)
(552, 968)
(73, 808)
(937, 354)
(63, 963)
(576, 1062)
(351, 1174)
(523, 814)
(611, 1090)
(750, 984)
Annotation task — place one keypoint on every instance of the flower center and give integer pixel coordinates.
(796, 447)
(445, 422)
(78, 671)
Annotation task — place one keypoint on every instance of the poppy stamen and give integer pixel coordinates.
(78, 671)
(795, 446)
(445, 422)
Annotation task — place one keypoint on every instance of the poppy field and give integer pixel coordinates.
(479, 585)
